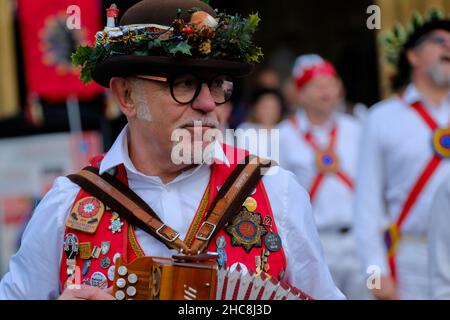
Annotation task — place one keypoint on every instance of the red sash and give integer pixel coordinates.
(441, 144)
(256, 258)
(327, 161)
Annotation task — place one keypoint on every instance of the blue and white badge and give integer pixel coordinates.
(105, 247)
(116, 226)
(86, 267)
(222, 259)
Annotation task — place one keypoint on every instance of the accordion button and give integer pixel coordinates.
(121, 283)
(131, 291)
(132, 278)
(122, 270)
(120, 295)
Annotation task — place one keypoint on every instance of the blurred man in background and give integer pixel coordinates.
(319, 145)
(402, 161)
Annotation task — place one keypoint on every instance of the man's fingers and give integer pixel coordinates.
(87, 293)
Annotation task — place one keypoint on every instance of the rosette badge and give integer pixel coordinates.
(158, 37)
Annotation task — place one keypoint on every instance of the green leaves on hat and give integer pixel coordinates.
(225, 37)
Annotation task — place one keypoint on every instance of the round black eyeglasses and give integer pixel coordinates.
(186, 88)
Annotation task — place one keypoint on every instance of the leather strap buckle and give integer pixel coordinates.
(205, 236)
(175, 236)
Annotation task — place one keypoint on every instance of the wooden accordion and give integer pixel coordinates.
(195, 278)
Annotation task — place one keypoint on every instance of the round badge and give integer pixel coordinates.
(105, 262)
(122, 270)
(120, 295)
(121, 283)
(132, 278)
(89, 207)
(272, 241)
(251, 204)
(221, 242)
(116, 226)
(327, 161)
(246, 231)
(111, 271)
(131, 291)
(98, 279)
(441, 142)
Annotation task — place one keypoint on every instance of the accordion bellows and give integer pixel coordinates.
(154, 278)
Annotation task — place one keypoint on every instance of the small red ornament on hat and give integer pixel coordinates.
(187, 30)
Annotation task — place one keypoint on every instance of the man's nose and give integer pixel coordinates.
(204, 101)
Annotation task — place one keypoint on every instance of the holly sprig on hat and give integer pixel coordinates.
(226, 37)
(394, 40)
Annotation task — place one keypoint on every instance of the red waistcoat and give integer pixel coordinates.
(124, 242)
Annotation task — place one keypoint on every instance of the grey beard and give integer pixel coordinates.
(438, 76)
(143, 111)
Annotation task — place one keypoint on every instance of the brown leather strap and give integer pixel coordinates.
(227, 206)
(112, 196)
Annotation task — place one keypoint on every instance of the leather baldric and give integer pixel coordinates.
(132, 208)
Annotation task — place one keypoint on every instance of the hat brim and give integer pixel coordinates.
(425, 29)
(129, 65)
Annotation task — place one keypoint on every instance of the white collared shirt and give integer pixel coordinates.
(439, 244)
(34, 270)
(333, 203)
(395, 148)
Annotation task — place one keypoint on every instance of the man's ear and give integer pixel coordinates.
(412, 57)
(121, 89)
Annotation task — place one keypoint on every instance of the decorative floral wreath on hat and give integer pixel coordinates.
(226, 37)
(394, 40)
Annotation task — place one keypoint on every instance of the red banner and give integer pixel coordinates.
(51, 30)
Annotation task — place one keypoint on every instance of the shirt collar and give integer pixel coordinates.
(305, 125)
(118, 154)
(412, 94)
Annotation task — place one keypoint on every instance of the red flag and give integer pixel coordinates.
(50, 34)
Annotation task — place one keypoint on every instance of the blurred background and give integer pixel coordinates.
(50, 123)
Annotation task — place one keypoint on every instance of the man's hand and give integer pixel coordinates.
(387, 289)
(87, 293)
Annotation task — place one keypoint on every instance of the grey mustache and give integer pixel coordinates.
(199, 122)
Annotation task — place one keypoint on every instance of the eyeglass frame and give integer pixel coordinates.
(170, 81)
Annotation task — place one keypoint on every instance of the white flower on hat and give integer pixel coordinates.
(202, 18)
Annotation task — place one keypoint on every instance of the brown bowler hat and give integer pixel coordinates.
(149, 17)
